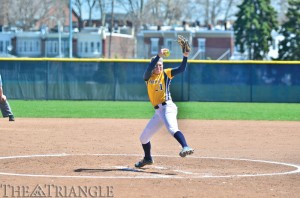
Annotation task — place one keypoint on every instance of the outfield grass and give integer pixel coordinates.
(139, 110)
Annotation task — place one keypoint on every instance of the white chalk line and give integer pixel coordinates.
(153, 176)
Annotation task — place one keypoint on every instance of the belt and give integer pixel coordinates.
(157, 107)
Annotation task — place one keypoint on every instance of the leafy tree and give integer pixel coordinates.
(255, 21)
(289, 47)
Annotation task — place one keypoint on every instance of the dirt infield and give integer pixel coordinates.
(95, 158)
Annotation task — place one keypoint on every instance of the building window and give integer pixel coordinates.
(169, 44)
(80, 47)
(55, 48)
(201, 48)
(154, 45)
(92, 47)
(37, 46)
(1, 46)
(21, 46)
(52, 45)
(98, 47)
(49, 46)
(24, 46)
(86, 47)
(7, 46)
(30, 47)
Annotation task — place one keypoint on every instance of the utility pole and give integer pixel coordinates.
(59, 38)
(111, 27)
(70, 30)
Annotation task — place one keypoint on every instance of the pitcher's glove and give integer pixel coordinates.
(184, 44)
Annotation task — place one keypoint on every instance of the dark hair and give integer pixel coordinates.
(159, 60)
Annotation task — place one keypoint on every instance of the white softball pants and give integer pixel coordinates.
(164, 115)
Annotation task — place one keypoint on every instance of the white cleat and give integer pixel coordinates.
(186, 151)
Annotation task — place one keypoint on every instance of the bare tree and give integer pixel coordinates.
(210, 11)
(91, 5)
(4, 12)
(230, 7)
(167, 12)
(25, 13)
(78, 7)
(215, 9)
(155, 12)
(281, 6)
(174, 11)
(103, 6)
(136, 11)
(227, 9)
(58, 13)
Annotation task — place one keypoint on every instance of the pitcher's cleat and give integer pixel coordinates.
(186, 151)
(143, 163)
(11, 118)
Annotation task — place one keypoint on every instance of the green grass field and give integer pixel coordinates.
(140, 110)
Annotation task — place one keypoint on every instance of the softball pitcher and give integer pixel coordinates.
(4, 105)
(158, 84)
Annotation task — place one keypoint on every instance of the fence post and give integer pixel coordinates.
(251, 83)
(47, 80)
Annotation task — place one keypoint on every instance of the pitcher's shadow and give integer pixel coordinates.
(99, 170)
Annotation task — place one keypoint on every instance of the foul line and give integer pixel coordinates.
(190, 174)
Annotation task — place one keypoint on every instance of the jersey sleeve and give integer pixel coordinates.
(147, 73)
(168, 73)
(181, 68)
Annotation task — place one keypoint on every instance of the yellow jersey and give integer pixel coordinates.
(158, 87)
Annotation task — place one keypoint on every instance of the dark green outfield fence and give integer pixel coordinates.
(122, 80)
